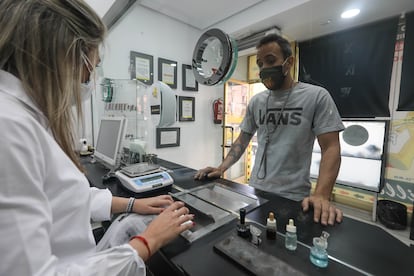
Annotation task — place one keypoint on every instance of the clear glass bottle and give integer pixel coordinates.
(291, 239)
(271, 227)
(318, 254)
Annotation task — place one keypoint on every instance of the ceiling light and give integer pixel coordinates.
(350, 13)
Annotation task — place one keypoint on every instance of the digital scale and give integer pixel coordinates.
(146, 182)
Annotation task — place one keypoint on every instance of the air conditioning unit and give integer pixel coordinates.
(251, 41)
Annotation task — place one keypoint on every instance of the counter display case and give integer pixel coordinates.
(123, 98)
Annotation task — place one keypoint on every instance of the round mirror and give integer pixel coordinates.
(214, 57)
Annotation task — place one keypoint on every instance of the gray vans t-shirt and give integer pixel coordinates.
(309, 112)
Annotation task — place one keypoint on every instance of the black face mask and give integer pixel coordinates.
(273, 77)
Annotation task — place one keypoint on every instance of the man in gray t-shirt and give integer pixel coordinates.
(287, 118)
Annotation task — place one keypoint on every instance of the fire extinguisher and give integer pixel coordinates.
(218, 111)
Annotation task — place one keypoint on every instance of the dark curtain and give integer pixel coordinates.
(406, 100)
(354, 66)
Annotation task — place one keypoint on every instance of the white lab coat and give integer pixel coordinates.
(46, 203)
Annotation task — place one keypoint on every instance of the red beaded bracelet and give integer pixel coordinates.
(144, 241)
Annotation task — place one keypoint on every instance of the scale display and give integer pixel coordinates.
(146, 182)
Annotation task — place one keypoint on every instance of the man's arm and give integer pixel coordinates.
(236, 151)
(330, 163)
(324, 211)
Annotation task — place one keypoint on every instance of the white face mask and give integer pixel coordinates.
(86, 90)
(87, 87)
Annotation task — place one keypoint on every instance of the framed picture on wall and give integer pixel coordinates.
(167, 72)
(142, 67)
(189, 81)
(167, 137)
(186, 108)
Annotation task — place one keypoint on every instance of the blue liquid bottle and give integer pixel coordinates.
(318, 254)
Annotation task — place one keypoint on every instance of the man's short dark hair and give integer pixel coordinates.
(282, 42)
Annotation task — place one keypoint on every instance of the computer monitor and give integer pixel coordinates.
(108, 144)
(363, 144)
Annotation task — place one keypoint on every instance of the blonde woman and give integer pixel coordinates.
(48, 49)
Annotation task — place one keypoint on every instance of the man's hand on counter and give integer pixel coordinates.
(324, 211)
(208, 173)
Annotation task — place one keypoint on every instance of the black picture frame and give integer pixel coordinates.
(167, 137)
(141, 67)
(186, 108)
(189, 81)
(167, 72)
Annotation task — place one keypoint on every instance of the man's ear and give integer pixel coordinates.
(290, 62)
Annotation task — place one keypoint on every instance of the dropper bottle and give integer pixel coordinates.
(271, 227)
(318, 254)
(291, 237)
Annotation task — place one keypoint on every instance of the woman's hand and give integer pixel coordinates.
(164, 228)
(152, 205)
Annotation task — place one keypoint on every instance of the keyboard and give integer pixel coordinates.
(140, 169)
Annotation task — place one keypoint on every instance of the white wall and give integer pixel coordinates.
(149, 32)
(100, 6)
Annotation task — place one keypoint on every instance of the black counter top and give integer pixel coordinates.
(354, 247)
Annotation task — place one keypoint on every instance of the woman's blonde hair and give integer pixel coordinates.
(42, 43)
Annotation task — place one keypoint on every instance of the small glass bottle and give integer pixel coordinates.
(271, 227)
(291, 237)
(318, 254)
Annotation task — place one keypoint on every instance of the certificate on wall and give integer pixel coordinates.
(186, 108)
(167, 72)
(189, 81)
(141, 67)
(167, 137)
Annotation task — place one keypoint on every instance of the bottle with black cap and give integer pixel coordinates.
(243, 229)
